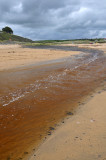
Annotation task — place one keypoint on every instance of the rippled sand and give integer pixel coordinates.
(35, 97)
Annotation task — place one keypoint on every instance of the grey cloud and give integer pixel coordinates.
(52, 19)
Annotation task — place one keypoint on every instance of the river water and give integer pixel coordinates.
(34, 98)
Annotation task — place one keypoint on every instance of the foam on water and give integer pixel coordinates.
(71, 64)
(33, 100)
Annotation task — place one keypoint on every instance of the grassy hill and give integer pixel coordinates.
(74, 41)
(59, 42)
(10, 37)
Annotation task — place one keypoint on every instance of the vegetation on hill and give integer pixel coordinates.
(10, 37)
(74, 41)
(7, 30)
(59, 42)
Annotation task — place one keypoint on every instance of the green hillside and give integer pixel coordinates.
(10, 37)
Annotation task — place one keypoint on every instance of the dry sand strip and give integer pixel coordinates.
(13, 56)
(81, 137)
(99, 46)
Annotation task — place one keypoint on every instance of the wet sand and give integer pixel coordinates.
(13, 56)
(81, 137)
(35, 97)
(98, 46)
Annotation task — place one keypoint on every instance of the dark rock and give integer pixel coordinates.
(25, 152)
(99, 156)
(69, 113)
(99, 92)
(49, 133)
(51, 128)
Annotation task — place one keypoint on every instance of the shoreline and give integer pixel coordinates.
(27, 73)
(15, 56)
(78, 136)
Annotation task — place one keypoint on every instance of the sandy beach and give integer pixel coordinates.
(53, 80)
(13, 56)
(82, 136)
(99, 46)
(58, 97)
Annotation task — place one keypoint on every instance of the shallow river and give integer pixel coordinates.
(36, 97)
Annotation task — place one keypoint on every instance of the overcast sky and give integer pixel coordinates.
(54, 19)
